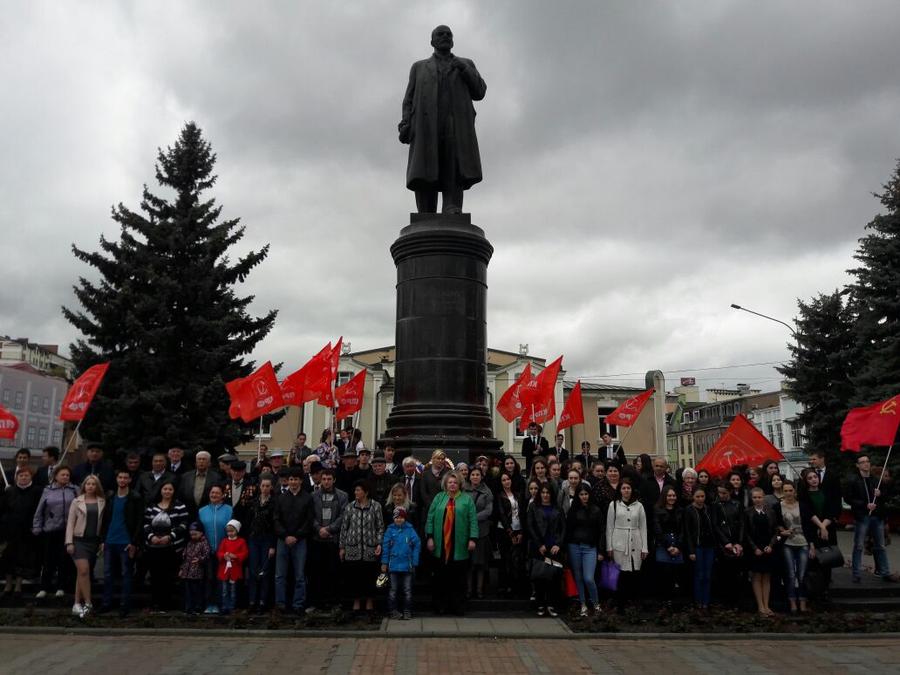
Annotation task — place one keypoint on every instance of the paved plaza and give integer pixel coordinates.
(139, 655)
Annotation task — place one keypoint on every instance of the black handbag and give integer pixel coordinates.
(542, 569)
(830, 556)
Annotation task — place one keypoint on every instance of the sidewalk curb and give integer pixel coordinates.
(468, 635)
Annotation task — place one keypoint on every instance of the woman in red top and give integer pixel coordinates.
(232, 553)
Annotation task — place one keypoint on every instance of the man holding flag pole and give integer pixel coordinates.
(874, 425)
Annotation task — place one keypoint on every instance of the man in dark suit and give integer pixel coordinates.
(44, 475)
(95, 466)
(829, 483)
(611, 453)
(176, 461)
(149, 482)
(532, 446)
(193, 487)
(651, 488)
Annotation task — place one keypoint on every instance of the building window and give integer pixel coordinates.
(46, 406)
(605, 428)
(770, 432)
(32, 434)
(779, 435)
(57, 437)
(6, 394)
(35, 402)
(19, 399)
(796, 436)
(42, 436)
(696, 415)
(344, 377)
(687, 418)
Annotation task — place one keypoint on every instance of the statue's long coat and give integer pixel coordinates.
(420, 111)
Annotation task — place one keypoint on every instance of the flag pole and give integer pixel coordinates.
(884, 468)
(5, 479)
(259, 441)
(69, 444)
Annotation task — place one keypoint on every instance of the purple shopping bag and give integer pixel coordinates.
(609, 575)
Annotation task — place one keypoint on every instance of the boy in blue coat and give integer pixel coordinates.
(399, 556)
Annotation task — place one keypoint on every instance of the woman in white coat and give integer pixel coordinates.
(626, 536)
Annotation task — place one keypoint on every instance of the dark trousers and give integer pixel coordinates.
(323, 572)
(512, 562)
(117, 562)
(193, 595)
(628, 589)
(261, 569)
(730, 580)
(449, 590)
(163, 564)
(57, 563)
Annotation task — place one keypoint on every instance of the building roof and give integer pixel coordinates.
(594, 386)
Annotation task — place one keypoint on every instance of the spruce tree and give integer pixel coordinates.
(818, 374)
(876, 300)
(166, 313)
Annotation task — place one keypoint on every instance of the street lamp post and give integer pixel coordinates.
(764, 316)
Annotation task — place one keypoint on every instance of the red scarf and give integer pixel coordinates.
(449, 522)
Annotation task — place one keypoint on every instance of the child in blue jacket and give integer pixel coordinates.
(399, 556)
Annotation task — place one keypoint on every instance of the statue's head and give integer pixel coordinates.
(442, 38)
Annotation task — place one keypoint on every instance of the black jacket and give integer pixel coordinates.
(133, 513)
(831, 486)
(586, 525)
(668, 526)
(503, 509)
(532, 448)
(860, 492)
(698, 522)
(729, 520)
(760, 534)
(148, 489)
(294, 515)
(539, 526)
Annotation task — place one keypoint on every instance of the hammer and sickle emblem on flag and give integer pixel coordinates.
(261, 387)
(84, 389)
(889, 407)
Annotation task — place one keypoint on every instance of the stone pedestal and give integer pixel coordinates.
(440, 390)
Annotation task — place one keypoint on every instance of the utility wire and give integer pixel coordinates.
(684, 370)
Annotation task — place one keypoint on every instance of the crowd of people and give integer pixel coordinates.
(314, 528)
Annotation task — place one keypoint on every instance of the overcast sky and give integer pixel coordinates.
(645, 164)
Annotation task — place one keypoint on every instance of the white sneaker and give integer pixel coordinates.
(41, 595)
(86, 610)
(584, 611)
(552, 612)
(598, 609)
(77, 609)
(60, 593)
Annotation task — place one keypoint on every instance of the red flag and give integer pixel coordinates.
(78, 399)
(255, 395)
(538, 397)
(510, 405)
(306, 383)
(627, 413)
(573, 410)
(742, 443)
(9, 424)
(349, 396)
(873, 425)
(326, 392)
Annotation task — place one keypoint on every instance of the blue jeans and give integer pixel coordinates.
(229, 595)
(703, 574)
(795, 558)
(115, 557)
(260, 570)
(583, 560)
(873, 525)
(400, 581)
(293, 557)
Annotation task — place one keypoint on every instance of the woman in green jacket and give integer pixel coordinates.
(451, 530)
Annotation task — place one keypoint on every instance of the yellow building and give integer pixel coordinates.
(503, 369)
